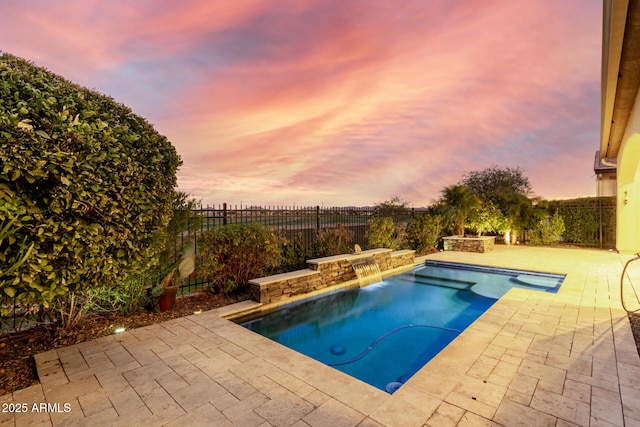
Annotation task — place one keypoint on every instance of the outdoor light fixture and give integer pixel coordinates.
(119, 330)
(197, 312)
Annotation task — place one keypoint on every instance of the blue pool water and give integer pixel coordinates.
(384, 333)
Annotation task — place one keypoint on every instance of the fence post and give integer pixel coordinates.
(224, 213)
(318, 217)
(600, 209)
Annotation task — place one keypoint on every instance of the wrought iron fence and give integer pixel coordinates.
(589, 222)
(287, 222)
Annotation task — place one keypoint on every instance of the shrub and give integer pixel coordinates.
(90, 183)
(423, 233)
(231, 255)
(332, 241)
(486, 218)
(400, 236)
(125, 297)
(548, 231)
(379, 232)
(294, 253)
(180, 231)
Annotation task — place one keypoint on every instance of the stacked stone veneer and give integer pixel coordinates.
(469, 244)
(323, 273)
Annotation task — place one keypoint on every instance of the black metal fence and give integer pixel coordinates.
(288, 222)
(589, 222)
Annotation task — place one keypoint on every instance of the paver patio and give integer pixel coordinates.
(534, 358)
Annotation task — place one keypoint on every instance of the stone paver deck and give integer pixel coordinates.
(534, 358)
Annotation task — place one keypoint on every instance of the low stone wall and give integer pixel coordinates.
(283, 286)
(404, 257)
(323, 273)
(469, 244)
(333, 270)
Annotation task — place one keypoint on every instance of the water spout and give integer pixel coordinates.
(367, 270)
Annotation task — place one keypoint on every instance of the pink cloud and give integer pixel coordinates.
(301, 100)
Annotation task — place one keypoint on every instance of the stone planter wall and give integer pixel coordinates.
(469, 244)
(323, 273)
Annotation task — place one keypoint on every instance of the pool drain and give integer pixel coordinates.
(337, 350)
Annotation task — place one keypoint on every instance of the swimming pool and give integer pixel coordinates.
(384, 333)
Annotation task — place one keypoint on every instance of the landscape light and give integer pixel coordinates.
(119, 329)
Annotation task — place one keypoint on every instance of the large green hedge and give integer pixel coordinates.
(90, 183)
(582, 218)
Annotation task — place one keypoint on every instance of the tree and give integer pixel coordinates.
(485, 218)
(494, 183)
(394, 208)
(456, 205)
(87, 183)
(520, 214)
(508, 190)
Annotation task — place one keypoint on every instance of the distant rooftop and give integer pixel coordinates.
(599, 167)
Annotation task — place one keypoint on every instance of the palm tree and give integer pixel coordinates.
(520, 214)
(456, 204)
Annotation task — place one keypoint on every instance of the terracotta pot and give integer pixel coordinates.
(167, 300)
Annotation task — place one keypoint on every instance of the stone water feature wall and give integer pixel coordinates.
(323, 273)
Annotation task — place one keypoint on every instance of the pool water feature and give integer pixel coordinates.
(367, 270)
(384, 333)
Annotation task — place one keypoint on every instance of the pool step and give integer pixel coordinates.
(536, 281)
(437, 281)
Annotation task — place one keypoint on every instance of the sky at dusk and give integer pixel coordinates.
(338, 102)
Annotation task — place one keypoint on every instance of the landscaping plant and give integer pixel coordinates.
(125, 297)
(456, 207)
(508, 190)
(294, 253)
(423, 233)
(332, 241)
(379, 232)
(87, 183)
(231, 255)
(548, 231)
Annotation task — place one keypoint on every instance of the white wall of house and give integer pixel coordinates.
(606, 184)
(628, 178)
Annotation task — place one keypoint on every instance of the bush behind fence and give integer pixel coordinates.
(295, 222)
(589, 222)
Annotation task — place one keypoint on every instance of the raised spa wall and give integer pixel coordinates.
(469, 244)
(324, 273)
